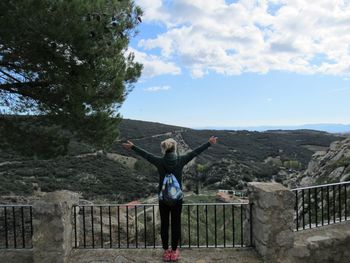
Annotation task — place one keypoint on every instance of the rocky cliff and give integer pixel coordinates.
(332, 165)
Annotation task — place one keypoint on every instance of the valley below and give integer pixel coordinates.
(117, 175)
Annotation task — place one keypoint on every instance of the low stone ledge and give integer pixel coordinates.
(322, 245)
(16, 255)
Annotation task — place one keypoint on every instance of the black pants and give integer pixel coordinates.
(175, 212)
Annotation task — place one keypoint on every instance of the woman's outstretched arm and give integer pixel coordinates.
(148, 156)
(189, 156)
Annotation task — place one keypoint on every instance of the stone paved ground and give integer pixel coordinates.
(324, 244)
(205, 255)
(325, 233)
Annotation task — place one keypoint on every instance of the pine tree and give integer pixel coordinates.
(67, 61)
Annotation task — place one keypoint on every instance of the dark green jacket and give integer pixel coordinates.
(170, 162)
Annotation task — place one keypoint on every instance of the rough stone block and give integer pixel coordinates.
(285, 239)
(52, 225)
(273, 209)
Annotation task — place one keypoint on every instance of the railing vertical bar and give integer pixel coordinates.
(328, 206)
(154, 228)
(339, 200)
(6, 228)
(84, 229)
(223, 210)
(309, 206)
(322, 209)
(233, 225)
(189, 226)
(14, 226)
(346, 205)
(75, 227)
(31, 223)
(23, 229)
(215, 232)
(197, 226)
(251, 223)
(206, 225)
(316, 204)
(145, 225)
(180, 237)
(303, 206)
(241, 225)
(101, 226)
(127, 226)
(296, 209)
(92, 227)
(333, 203)
(136, 232)
(118, 214)
(110, 226)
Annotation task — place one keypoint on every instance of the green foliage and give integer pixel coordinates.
(201, 168)
(292, 164)
(32, 138)
(145, 167)
(211, 221)
(265, 171)
(68, 60)
(343, 161)
(96, 177)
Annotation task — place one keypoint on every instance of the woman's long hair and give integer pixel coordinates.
(168, 145)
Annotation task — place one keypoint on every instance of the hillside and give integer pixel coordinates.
(331, 165)
(119, 175)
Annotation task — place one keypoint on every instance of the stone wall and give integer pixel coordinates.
(52, 230)
(53, 227)
(273, 209)
(273, 236)
(328, 244)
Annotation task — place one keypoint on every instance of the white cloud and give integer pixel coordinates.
(250, 36)
(155, 65)
(157, 88)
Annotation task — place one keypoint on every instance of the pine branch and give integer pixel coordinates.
(16, 87)
(9, 75)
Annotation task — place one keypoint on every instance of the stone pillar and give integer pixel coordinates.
(273, 211)
(52, 226)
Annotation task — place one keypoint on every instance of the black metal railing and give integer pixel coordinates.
(16, 226)
(138, 226)
(321, 205)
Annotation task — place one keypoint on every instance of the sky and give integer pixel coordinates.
(242, 63)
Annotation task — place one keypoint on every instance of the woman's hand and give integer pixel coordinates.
(213, 140)
(127, 145)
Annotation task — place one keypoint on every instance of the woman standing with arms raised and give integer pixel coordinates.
(170, 164)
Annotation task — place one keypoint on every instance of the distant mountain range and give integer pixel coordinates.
(327, 127)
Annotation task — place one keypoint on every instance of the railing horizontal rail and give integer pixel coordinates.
(138, 225)
(318, 186)
(16, 226)
(15, 206)
(321, 205)
(193, 204)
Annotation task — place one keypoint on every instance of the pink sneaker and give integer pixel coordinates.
(167, 255)
(174, 256)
